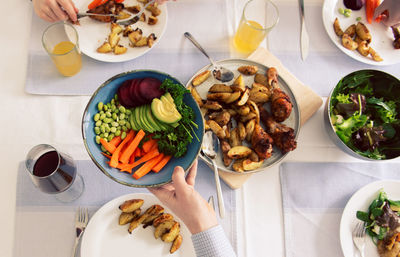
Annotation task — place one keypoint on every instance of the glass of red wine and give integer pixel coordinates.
(54, 172)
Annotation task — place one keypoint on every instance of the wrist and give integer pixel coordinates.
(199, 225)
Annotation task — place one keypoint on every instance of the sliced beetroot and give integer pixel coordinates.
(149, 88)
(132, 92)
(124, 96)
(138, 96)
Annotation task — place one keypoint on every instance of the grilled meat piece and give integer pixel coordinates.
(261, 142)
(109, 7)
(272, 77)
(281, 106)
(283, 135)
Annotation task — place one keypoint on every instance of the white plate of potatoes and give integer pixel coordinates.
(105, 237)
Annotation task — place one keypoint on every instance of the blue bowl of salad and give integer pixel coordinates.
(362, 115)
(111, 116)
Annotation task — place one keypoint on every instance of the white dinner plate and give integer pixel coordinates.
(382, 36)
(93, 33)
(360, 201)
(104, 237)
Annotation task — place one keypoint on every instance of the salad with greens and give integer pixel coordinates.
(381, 218)
(364, 109)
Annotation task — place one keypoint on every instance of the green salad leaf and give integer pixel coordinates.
(385, 110)
(350, 125)
(344, 99)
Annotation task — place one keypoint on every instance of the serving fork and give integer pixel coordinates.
(81, 220)
(359, 237)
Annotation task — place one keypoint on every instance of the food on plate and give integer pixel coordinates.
(153, 8)
(354, 4)
(152, 20)
(233, 113)
(364, 114)
(165, 226)
(131, 205)
(396, 34)
(357, 36)
(382, 224)
(109, 7)
(104, 48)
(144, 126)
(120, 49)
(201, 78)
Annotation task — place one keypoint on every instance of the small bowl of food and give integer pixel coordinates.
(139, 125)
(362, 115)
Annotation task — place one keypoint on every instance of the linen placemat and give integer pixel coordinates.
(45, 226)
(313, 198)
(173, 54)
(308, 101)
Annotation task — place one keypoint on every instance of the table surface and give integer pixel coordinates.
(28, 120)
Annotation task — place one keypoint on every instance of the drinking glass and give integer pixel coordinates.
(258, 18)
(60, 40)
(54, 172)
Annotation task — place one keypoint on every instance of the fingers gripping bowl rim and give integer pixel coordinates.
(105, 93)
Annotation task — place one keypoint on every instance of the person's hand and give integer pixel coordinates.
(390, 11)
(186, 202)
(55, 10)
(162, 1)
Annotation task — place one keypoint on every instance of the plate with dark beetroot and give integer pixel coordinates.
(139, 125)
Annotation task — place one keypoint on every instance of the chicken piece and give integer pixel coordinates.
(281, 106)
(272, 77)
(261, 142)
(283, 135)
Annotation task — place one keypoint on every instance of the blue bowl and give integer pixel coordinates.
(104, 94)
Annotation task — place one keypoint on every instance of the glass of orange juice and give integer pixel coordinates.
(60, 40)
(258, 18)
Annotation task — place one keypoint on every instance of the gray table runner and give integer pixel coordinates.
(45, 227)
(313, 198)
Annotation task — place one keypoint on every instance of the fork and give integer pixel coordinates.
(359, 237)
(81, 220)
(133, 19)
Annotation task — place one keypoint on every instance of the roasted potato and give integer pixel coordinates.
(251, 165)
(155, 11)
(238, 165)
(120, 49)
(254, 109)
(363, 32)
(113, 39)
(136, 222)
(128, 217)
(244, 97)
(348, 42)
(241, 130)
(141, 42)
(220, 97)
(259, 93)
(220, 88)
(336, 28)
(212, 105)
(196, 96)
(176, 244)
(243, 110)
(225, 147)
(222, 118)
(238, 84)
(150, 40)
(233, 97)
(116, 28)
(227, 161)
(133, 9)
(131, 205)
(363, 48)
(248, 69)
(238, 152)
(351, 30)
(104, 48)
(234, 139)
(127, 31)
(249, 129)
(172, 233)
(375, 55)
(253, 156)
(201, 78)
(246, 118)
(135, 36)
(152, 20)
(261, 79)
(162, 228)
(142, 17)
(162, 218)
(216, 129)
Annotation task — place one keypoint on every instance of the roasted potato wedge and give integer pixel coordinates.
(234, 138)
(244, 97)
(131, 205)
(212, 105)
(375, 55)
(227, 161)
(363, 48)
(254, 109)
(120, 49)
(259, 97)
(128, 217)
(261, 79)
(225, 146)
(135, 36)
(238, 166)
(133, 9)
(127, 31)
(238, 84)
(363, 32)
(241, 130)
(196, 96)
(336, 28)
(253, 156)
(216, 129)
(250, 165)
(162, 228)
(176, 244)
(150, 40)
(243, 110)
(172, 233)
(104, 48)
(248, 69)
(222, 118)
(162, 218)
(246, 118)
(238, 152)
(348, 42)
(141, 42)
(201, 78)
(249, 129)
(220, 88)
(155, 11)
(351, 30)
(220, 97)
(152, 20)
(116, 28)
(233, 97)
(142, 17)
(136, 222)
(113, 39)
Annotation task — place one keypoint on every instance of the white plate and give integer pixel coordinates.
(382, 37)
(360, 201)
(104, 237)
(93, 33)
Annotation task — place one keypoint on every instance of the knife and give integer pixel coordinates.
(81, 15)
(304, 40)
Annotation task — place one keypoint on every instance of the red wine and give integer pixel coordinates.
(46, 164)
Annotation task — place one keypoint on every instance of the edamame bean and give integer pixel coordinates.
(121, 116)
(122, 109)
(97, 130)
(96, 117)
(107, 129)
(98, 123)
(122, 122)
(112, 101)
(358, 19)
(128, 112)
(103, 149)
(103, 129)
(110, 137)
(114, 124)
(102, 135)
(347, 10)
(341, 10)
(108, 114)
(105, 107)
(118, 133)
(346, 14)
(106, 135)
(128, 125)
(124, 128)
(102, 116)
(98, 139)
(107, 120)
(100, 106)
(113, 129)
(114, 116)
(123, 135)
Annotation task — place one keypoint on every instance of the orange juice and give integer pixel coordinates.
(67, 58)
(248, 36)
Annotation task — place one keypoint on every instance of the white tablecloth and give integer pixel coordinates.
(27, 120)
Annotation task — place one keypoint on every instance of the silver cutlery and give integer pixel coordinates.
(211, 202)
(134, 18)
(304, 40)
(81, 221)
(81, 15)
(209, 148)
(359, 237)
(219, 72)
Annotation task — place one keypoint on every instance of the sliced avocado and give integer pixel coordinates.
(169, 97)
(167, 103)
(137, 118)
(165, 111)
(143, 119)
(132, 121)
(150, 118)
(163, 126)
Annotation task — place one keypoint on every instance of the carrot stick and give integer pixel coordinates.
(106, 155)
(115, 155)
(138, 152)
(162, 163)
(94, 4)
(148, 145)
(148, 156)
(109, 147)
(126, 154)
(370, 6)
(133, 156)
(146, 168)
(116, 141)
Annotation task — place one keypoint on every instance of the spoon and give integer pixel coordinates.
(209, 149)
(219, 72)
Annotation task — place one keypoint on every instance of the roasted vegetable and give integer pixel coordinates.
(201, 78)
(131, 205)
